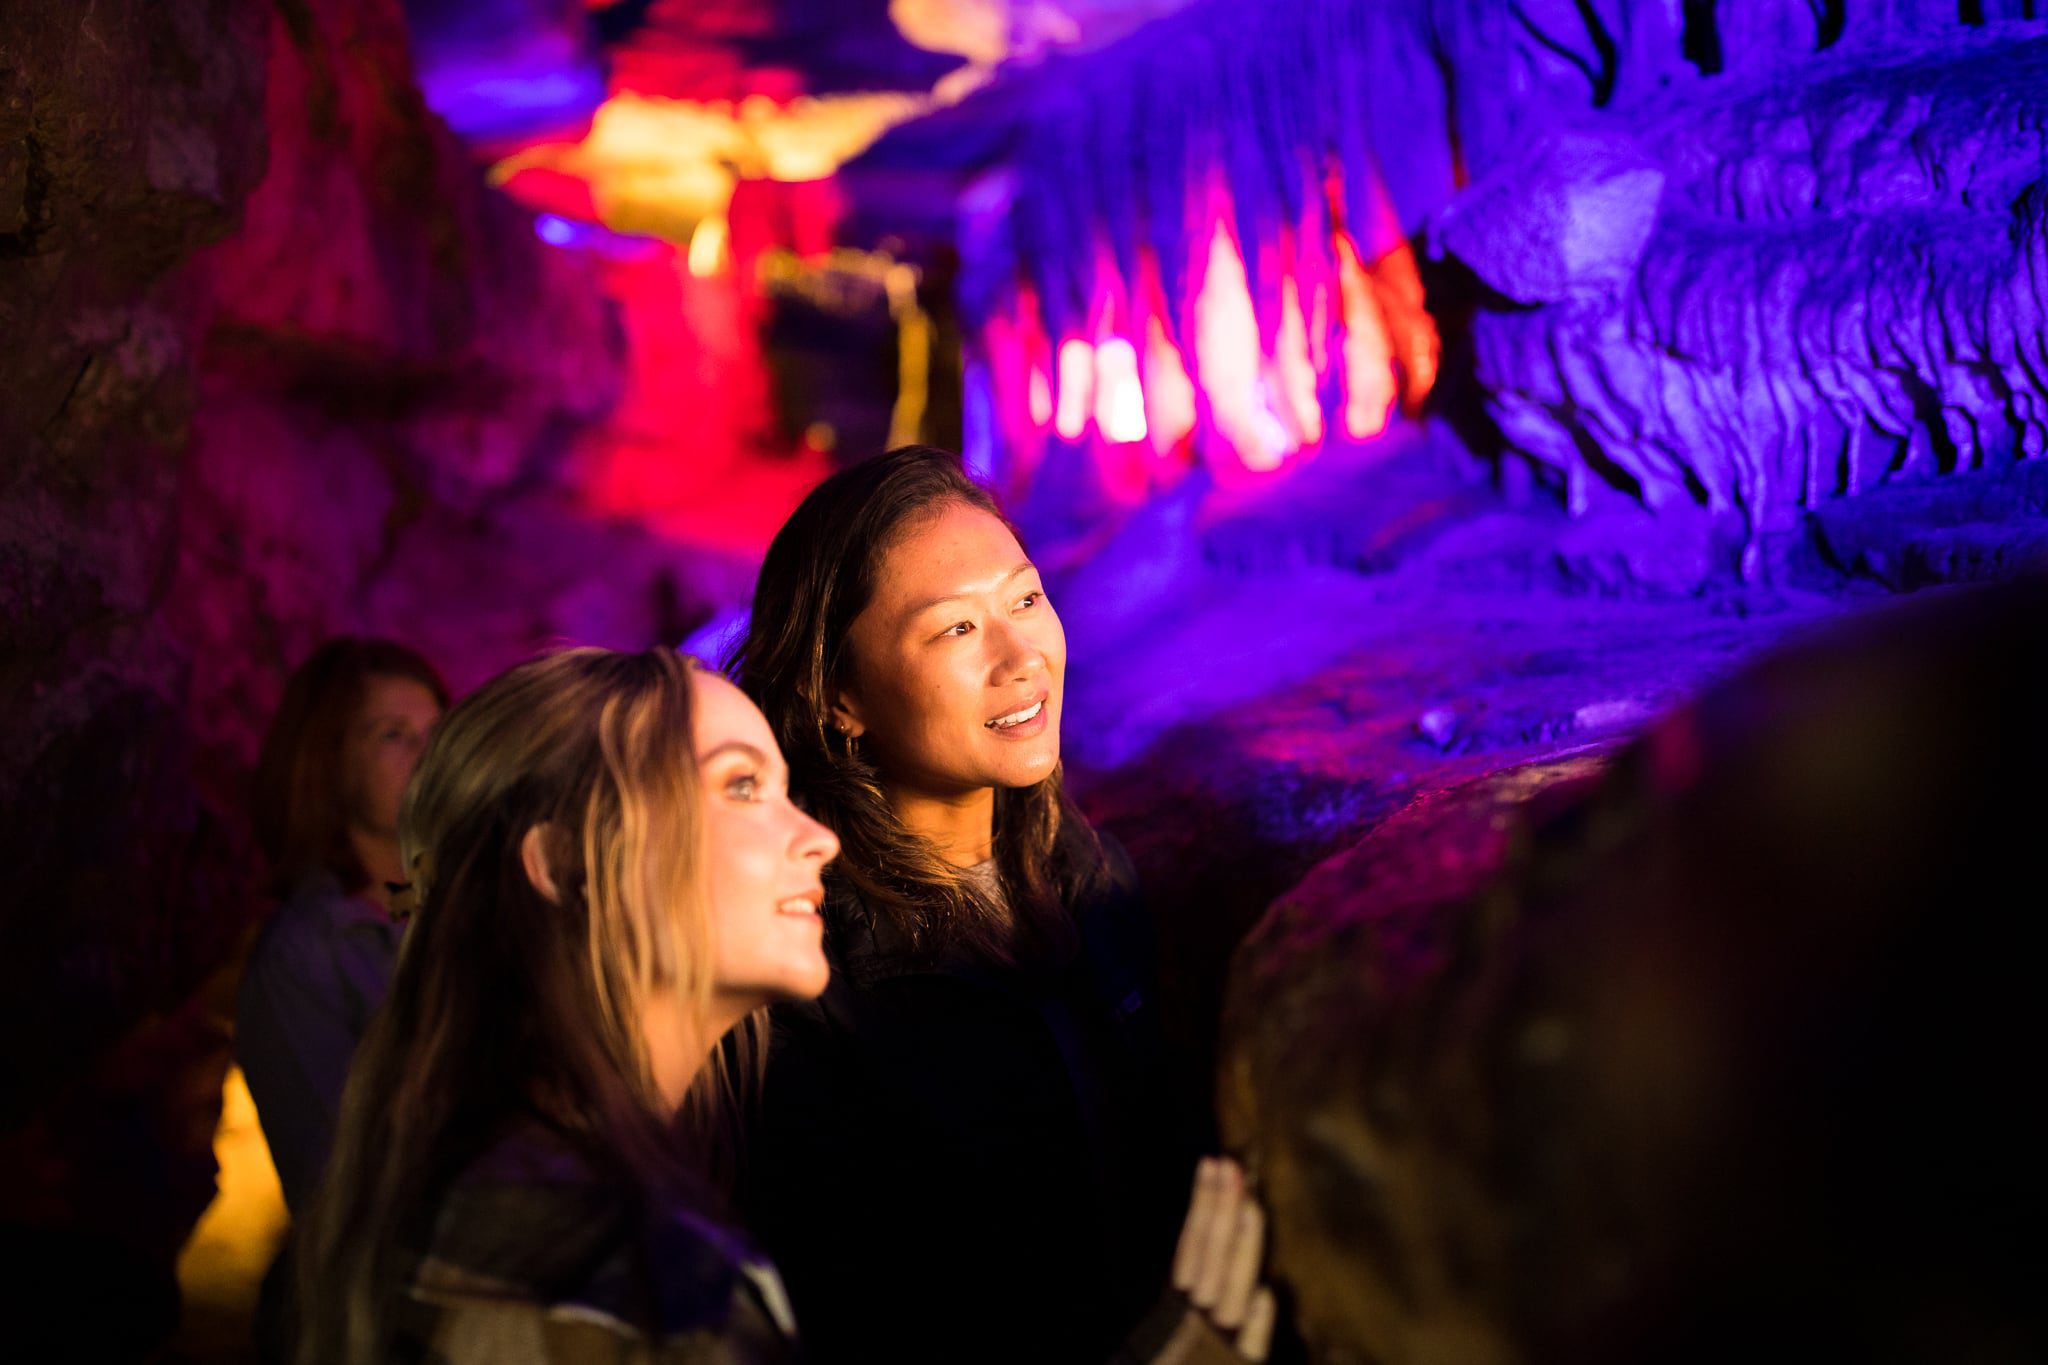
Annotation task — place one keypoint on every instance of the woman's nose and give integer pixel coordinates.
(815, 840)
(1017, 654)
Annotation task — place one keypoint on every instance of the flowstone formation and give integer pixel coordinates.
(1721, 264)
(1763, 293)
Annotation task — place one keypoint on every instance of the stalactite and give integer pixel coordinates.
(1840, 276)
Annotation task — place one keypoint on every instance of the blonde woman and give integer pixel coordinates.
(611, 879)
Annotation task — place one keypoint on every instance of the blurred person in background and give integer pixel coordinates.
(353, 722)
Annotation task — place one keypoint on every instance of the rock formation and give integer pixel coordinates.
(1725, 1049)
(1723, 263)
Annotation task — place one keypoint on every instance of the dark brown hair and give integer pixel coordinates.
(297, 806)
(819, 575)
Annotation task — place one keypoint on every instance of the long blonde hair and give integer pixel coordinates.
(507, 1003)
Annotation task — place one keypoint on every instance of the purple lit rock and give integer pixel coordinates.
(1720, 1042)
(1843, 287)
(1290, 686)
(1738, 261)
(1570, 218)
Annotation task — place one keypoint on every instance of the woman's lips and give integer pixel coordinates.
(804, 906)
(1021, 723)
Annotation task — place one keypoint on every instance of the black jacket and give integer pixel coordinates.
(533, 1258)
(956, 1163)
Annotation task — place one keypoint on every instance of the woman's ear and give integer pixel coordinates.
(845, 713)
(533, 854)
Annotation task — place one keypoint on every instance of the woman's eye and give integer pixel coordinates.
(1031, 599)
(957, 628)
(743, 788)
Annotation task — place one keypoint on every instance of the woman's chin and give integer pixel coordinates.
(810, 982)
(1024, 765)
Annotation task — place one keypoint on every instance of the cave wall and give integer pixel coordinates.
(280, 366)
(1756, 295)
(1726, 264)
(132, 139)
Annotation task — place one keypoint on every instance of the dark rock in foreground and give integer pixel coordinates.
(1728, 1051)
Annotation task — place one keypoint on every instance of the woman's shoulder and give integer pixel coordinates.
(317, 912)
(1120, 874)
(530, 1226)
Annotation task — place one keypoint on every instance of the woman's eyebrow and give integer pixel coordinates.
(922, 607)
(735, 746)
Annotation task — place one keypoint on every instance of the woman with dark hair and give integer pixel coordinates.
(983, 1074)
(354, 719)
(612, 878)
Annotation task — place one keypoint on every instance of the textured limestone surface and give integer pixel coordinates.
(1722, 263)
(1763, 294)
(1718, 1045)
(279, 366)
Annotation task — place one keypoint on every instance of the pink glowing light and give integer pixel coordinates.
(1040, 398)
(1292, 374)
(1076, 388)
(1119, 397)
(1228, 363)
(1271, 442)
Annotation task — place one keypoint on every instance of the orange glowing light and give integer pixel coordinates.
(707, 247)
(1369, 381)
(221, 1267)
(1169, 394)
(657, 167)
